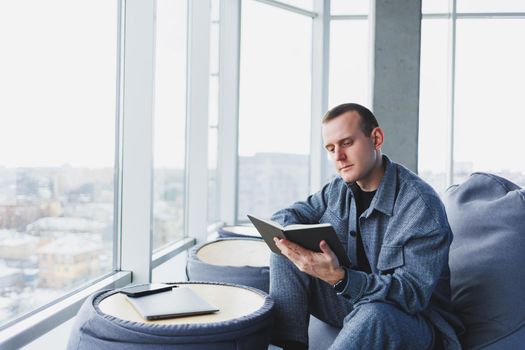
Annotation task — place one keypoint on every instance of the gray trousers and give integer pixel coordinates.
(368, 326)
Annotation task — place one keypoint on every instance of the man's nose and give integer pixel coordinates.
(339, 153)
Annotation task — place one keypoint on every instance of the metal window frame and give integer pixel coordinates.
(137, 124)
(166, 253)
(451, 107)
(290, 8)
(117, 205)
(475, 15)
(348, 17)
(318, 173)
(228, 133)
(197, 90)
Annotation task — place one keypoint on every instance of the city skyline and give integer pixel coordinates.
(56, 223)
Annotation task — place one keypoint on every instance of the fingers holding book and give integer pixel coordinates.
(323, 265)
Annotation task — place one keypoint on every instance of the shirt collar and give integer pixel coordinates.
(386, 192)
(385, 197)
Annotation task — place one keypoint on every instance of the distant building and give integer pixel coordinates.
(7, 186)
(69, 260)
(168, 222)
(101, 212)
(18, 260)
(7, 305)
(10, 278)
(168, 209)
(17, 216)
(17, 246)
(65, 225)
(271, 181)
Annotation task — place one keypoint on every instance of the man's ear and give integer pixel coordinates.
(378, 137)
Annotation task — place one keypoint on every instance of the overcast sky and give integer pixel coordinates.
(58, 73)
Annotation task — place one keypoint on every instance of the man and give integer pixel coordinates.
(396, 294)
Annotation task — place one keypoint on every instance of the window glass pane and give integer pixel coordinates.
(169, 123)
(346, 7)
(490, 6)
(213, 204)
(434, 118)
(57, 148)
(489, 92)
(274, 121)
(435, 6)
(348, 62)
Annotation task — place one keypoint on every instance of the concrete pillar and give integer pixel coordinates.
(395, 29)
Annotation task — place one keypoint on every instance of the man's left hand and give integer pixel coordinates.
(323, 265)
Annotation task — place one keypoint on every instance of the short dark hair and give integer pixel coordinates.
(368, 120)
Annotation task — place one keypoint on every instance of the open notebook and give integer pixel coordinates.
(178, 302)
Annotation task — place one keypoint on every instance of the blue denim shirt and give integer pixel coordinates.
(406, 238)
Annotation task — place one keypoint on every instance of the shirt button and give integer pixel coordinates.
(353, 233)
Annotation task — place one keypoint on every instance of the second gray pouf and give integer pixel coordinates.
(242, 261)
(238, 232)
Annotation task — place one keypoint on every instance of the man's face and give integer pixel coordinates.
(353, 154)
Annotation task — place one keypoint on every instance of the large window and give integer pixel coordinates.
(169, 122)
(489, 112)
(345, 7)
(57, 148)
(349, 77)
(303, 4)
(434, 118)
(349, 56)
(274, 121)
(478, 6)
(471, 87)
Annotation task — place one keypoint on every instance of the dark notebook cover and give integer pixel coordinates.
(308, 236)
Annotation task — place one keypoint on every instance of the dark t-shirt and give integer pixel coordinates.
(362, 201)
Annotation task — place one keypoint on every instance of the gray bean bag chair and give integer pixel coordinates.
(320, 334)
(487, 264)
(94, 330)
(487, 260)
(242, 261)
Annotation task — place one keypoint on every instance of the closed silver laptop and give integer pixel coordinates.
(178, 302)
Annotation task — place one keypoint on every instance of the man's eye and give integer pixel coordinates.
(347, 143)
